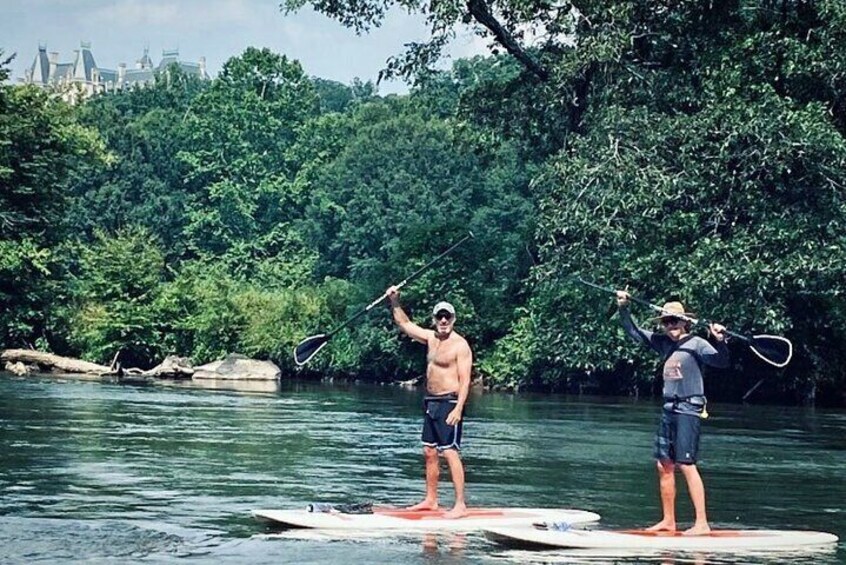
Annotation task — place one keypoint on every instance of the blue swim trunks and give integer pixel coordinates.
(436, 432)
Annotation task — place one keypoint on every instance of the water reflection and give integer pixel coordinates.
(228, 385)
(450, 544)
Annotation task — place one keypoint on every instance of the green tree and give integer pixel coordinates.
(337, 97)
(43, 148)
(695, 175)
(207, 313)
(113, 296)
(238, 168)
(400, 190)
(145, 129)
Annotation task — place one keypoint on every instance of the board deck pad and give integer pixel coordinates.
(717, 540)
(403, 519)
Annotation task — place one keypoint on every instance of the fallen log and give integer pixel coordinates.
(49, 361)
(173, 367)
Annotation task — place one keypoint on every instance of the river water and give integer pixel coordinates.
(101, 472)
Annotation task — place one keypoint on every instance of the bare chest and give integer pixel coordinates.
(442, 353)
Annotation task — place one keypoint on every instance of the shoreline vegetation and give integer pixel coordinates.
(239, 370)
(693, 154)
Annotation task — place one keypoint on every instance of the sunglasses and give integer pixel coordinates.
(670, 321)
(443, 315)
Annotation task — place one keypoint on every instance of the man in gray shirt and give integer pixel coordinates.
(677, 440)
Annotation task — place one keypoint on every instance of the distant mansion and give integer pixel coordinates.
(82, 77)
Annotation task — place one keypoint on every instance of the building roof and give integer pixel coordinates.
(63, 70)
(84, 63)
(166, 62)
(84, 68)
(171, 57)
(134, 76)
(41, 66)
(108, 75)
(145, 62)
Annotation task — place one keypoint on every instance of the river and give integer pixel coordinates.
(101, 472)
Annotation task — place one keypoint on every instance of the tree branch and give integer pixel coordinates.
(481, 12)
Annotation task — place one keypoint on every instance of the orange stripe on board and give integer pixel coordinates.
(680, 534)
(439, 514)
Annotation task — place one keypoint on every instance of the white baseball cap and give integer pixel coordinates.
(443, 306)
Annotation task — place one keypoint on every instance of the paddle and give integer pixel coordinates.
(773, 349)
(309, 347)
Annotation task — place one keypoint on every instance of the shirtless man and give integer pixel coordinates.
(449, 361)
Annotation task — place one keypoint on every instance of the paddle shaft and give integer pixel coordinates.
(404, 282)
(694, 321)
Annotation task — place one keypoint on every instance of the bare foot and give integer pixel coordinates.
(698, 530)
(458, 511)
(663, 526)
(425, 505)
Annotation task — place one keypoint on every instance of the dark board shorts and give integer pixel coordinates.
(436, 432)
(677, 439)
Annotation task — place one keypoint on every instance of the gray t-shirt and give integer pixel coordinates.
(683, 359)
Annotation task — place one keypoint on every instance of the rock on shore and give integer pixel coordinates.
(238, 367)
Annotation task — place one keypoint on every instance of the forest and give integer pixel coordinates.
(682, 150)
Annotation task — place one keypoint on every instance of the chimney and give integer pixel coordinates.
(53, 57)
(202, 67)
(121, 75)
(76, 66)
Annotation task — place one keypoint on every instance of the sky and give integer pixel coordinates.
(119, 30)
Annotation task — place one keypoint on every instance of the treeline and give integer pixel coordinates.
(694, 152)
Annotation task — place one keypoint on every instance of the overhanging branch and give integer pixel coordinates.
(481, 12)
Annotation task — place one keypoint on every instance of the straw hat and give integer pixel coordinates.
(673, 309)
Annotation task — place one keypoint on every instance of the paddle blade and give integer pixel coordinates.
(308, 348)
(773, 349)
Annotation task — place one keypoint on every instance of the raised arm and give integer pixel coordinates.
(638, 334)
(408, 327)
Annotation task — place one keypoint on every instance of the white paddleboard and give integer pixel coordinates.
(717, 540)
(411, 520)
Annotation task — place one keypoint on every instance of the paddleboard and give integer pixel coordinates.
(409, 520)
(717, 540)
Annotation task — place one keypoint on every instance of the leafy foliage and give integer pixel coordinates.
(43, 147)
(145, 128)
(118, 281)
(238, 170)
(688, 150)
(696, 175)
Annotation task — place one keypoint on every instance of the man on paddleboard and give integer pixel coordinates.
(449, 362)
(677, 440)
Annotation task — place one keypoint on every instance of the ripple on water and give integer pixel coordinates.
(605, 556)
(26, 540)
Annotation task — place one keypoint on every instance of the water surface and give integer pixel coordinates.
(106, 472)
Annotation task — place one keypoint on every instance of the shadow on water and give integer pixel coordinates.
(105, 472)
